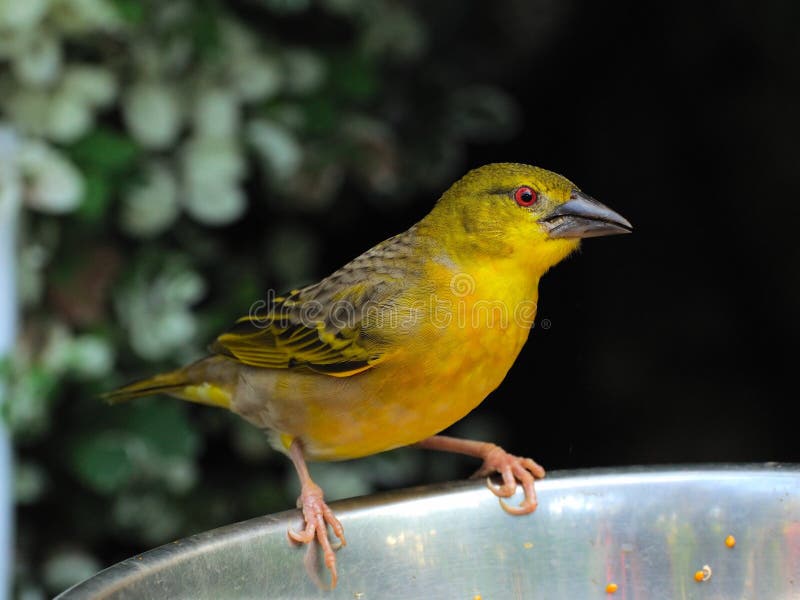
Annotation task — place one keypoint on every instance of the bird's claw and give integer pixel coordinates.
(512, 470)
(318, 515)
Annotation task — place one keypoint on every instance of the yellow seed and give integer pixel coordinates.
(611, 588)
(730, 541)
(703, 574)
(477, 597)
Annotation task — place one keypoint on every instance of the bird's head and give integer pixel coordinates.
(515, 209)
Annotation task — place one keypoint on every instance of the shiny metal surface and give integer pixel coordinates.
(647, 530)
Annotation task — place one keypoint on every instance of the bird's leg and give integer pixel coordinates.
(511, 468)
(317, 515)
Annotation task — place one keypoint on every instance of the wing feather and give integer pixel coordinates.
(322, 327)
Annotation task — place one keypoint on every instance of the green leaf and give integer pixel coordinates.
(164, 427)
(102, 462)
(204, 28)
(96, 197)
(26, 402)
(320, 115)
(105, 150)
(131, 11)
(355, 77)
(6, 368)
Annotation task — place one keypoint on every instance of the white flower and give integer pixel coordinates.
(66, 567)
(151, 515)
(151, 205)
(180, 287)
(305, 71)
(83, 16)
(95, 86)
(396, 31)
(215, 203)
(212, 168)
(38, 61)
(90, 356)
(69, 118)
(55, 354)
(176, 328)
(152, 113)
(156, 310)
(207, 160)
(30, 482)
(255, 77)
(21, 14)
(158, 334)
(85, 355)
(53, 184)
(279, 149)
(179, 474)
(340, 481)
(216, 113)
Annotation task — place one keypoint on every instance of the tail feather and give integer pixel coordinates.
(165, 383)
(208, 381)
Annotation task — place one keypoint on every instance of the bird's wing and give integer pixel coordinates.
(337, 326)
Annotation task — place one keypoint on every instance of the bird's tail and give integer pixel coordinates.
(195, 383)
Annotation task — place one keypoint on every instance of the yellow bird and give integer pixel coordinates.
(402, 341)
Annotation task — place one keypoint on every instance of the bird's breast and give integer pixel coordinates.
(442, 360)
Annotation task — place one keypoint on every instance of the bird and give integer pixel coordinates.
(402, 341)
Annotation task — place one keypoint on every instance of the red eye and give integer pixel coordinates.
(525, 196)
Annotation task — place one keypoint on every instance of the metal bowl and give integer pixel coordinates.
(646, 530)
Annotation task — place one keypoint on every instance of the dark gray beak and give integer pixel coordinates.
(581, 217)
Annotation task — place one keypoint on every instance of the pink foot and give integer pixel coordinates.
(318, 516)
(512, 469)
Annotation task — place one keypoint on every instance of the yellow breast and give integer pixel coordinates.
(440, 369)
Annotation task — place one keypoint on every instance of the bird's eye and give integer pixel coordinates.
(525, 196)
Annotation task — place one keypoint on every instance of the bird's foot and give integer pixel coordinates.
(512, 469)
(318, 515)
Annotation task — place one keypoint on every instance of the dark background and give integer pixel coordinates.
(673, 344)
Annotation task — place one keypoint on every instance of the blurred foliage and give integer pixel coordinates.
(172, 161)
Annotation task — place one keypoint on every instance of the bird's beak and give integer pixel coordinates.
(581, 217)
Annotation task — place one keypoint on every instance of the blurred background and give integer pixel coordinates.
(164, 164)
